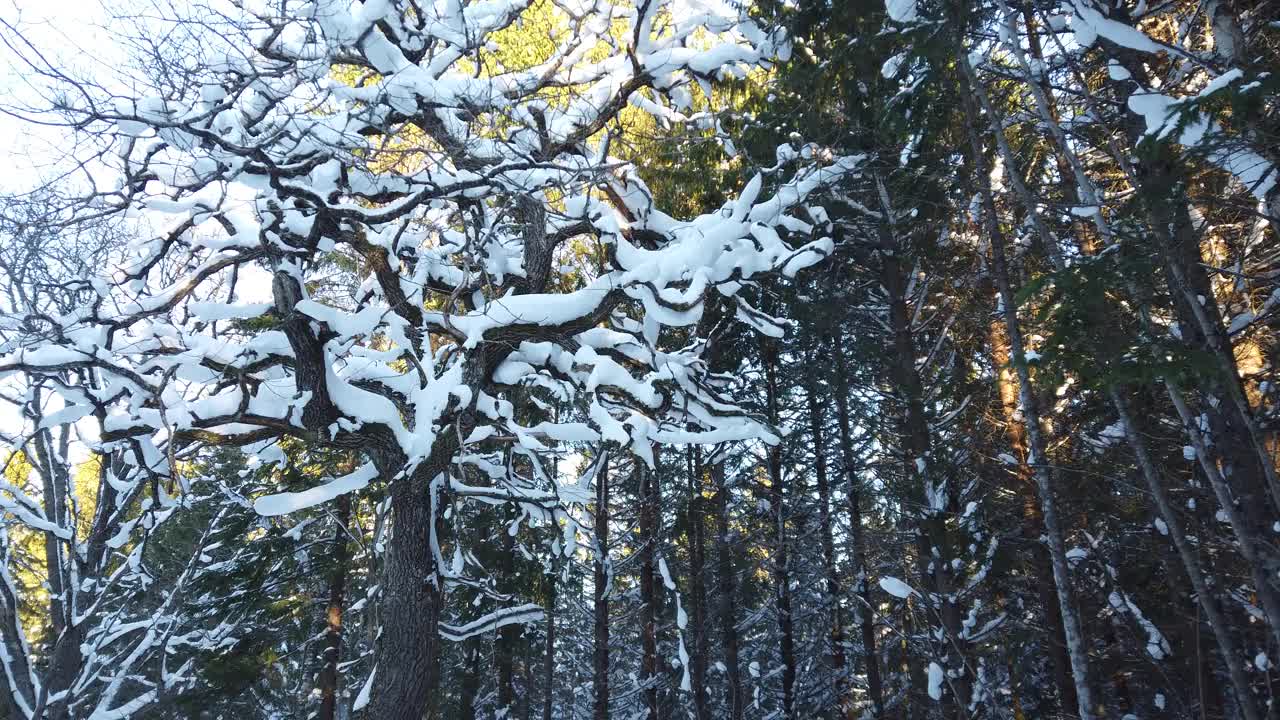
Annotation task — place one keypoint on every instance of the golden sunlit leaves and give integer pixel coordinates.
(30, 548)
(533, 39)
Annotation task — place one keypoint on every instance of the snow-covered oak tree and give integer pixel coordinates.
(497, 242)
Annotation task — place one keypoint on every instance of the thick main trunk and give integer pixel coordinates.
(408, 657)
(329, 680)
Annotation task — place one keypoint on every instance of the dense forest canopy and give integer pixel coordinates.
(646, 359)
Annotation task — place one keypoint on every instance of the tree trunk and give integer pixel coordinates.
(407, 671)
(781, 562)
(470, 689)
(928, 489)
(1072, 626)
(1239, 444)
(524, 669)
(1171, 224)
(1199, 311)
(696, 524)
(329, 680)
(728, 589)
(549, 653)
(1190, 560)
(649, 597)
(65, 661)
(504, 648)
(15, 670)
(865, 615)
(1249, 543)
(600, 660)
(842, 692)
(1032, 527)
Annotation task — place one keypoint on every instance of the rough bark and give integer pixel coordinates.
(933, 541)
(470, 685)
(408, 657)
(1172, 224)
(549, 652)
(1249, 543)
(507, 637)
(50, 463)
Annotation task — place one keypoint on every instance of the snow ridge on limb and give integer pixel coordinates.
(520, 615)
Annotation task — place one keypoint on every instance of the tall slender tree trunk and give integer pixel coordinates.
(649, 596)
(781, 561)
(600, 660)
(1249, 542)
(524, 669)
(1072, 626)
(1194, 300)
(1199, 310)
(1190, 560)
(727, 607)
(842, 692)
(1032, 526)
(470, 685)
(1239, 445)
(1192, 291)
(696, 524)
(329, 677)
(865, 610)
(933, 540)
(504, 648)
(549, 652)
